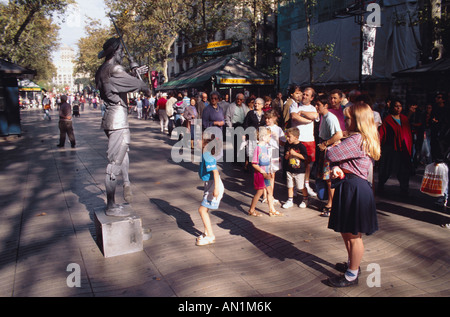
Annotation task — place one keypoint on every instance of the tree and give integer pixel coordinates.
(33, 7)
(149, 27)
(87, 61)
(435, 22)
(439, 20)
(256, 12)
(312, 50)
(28, 36)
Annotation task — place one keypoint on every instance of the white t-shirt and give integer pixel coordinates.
(329, 126)
(277, 135)
(274, 144)
(306, 130)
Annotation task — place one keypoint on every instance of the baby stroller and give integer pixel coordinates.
(76, 110)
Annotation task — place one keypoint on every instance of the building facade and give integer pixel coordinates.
(236, 41)
(64, 79)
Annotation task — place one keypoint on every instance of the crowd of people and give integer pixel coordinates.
(335, 138)
(80, 100)
(410, 136)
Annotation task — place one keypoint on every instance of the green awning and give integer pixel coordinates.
(28, 85)
(223, 71)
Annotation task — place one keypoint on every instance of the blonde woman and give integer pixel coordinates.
(353, 211)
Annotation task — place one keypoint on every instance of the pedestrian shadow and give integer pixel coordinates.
(272, 245)
(182, 218)
(430, 217)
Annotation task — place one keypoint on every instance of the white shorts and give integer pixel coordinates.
(298, 178)
(209, 201)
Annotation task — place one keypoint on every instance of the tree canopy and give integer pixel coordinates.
(27, 34)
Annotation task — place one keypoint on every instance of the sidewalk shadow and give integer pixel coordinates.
(430, 217)
(272, 245)
(182, 218)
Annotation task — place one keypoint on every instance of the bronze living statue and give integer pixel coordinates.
(114, 83)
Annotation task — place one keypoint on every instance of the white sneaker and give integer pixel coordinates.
(288, 204)
(276, 202)
(310, 191)
(304, 203)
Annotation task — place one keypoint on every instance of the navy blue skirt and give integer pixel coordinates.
(353, 210)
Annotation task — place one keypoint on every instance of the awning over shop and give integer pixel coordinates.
(439, 66)
(223, 71)
(28, 85)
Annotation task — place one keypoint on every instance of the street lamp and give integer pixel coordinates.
(278, 60)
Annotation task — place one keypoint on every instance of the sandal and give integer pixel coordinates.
(326, 212)
(205, 240)
(275, 213)
(254, 213)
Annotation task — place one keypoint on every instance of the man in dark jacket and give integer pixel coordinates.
(65, 123)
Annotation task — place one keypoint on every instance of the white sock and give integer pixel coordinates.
(351, 275)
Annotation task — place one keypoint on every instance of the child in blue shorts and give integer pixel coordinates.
(213, 190)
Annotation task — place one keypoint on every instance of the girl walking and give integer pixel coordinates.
(213, 189)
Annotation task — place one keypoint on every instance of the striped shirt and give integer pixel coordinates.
(349, 156)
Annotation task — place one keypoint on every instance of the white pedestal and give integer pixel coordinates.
(118, 235)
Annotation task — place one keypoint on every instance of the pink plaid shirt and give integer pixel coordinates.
(348, 155)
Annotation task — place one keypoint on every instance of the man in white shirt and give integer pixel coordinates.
(303, 116)
(234, 117)
(236, 112)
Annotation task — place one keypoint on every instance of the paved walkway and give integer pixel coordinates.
(48, 196)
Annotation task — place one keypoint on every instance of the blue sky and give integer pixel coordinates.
(73, 27)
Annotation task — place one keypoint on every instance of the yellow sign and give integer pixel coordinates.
(209, 45)
(244, 81)
(30, 89)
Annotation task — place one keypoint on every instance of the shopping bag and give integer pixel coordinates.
(435, 179)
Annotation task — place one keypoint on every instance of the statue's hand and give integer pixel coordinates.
(140, 70)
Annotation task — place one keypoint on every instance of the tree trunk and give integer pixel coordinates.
(165, 62)
(24, 25)
(436, 14)
(308, 41)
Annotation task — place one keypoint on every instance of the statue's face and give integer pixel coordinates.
(119, 55)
